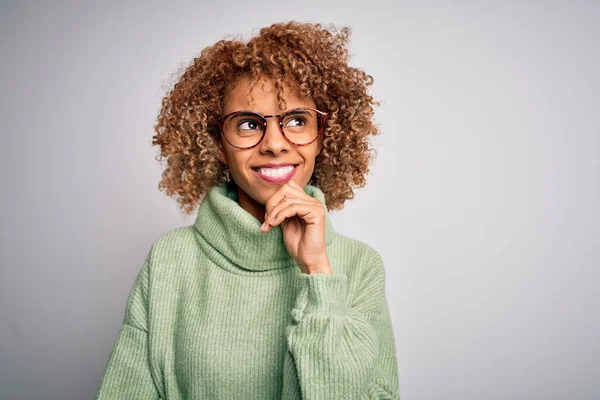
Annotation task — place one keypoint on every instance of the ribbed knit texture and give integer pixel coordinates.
(220, 310)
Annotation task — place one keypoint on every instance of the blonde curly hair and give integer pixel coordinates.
(308, 57)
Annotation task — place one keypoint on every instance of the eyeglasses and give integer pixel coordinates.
(245, 129)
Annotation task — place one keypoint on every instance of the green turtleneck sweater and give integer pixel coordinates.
(220, 310)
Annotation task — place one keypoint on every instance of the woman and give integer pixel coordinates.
(260, 298)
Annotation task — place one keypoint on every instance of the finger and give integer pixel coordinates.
(276, 198)
(285, 191)
(284, 203)
(310, 213)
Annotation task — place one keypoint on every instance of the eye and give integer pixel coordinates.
(295, 121)
(248, 124)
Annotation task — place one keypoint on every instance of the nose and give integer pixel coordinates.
(273, 142)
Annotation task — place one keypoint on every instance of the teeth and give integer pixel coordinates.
(276, 172)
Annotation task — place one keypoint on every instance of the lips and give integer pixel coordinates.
(270, 165)
(281, 174)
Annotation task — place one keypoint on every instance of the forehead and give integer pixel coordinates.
(262, 97)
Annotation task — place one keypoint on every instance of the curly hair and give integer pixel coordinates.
(307, 57)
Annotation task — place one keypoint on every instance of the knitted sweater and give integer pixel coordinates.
(220, 310)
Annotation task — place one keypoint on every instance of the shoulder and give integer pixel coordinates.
(176, 244)
(359, 256)
(355, 248)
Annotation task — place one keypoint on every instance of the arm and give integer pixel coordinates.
(127, 374)
(341, 351)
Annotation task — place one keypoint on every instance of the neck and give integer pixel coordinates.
(253, 207)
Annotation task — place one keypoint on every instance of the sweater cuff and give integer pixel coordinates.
(323, 294)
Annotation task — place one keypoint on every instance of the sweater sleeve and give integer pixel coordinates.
(341, 350)
(127, 374)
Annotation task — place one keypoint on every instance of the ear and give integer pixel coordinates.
(221, 155)
(221, 152)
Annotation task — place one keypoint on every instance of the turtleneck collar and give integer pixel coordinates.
(235, 234)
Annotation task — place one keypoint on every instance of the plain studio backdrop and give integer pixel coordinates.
(483, 201)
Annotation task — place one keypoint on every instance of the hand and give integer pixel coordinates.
(302, 220)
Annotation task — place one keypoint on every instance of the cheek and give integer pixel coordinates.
(237, 162)
(310, 165)
(310, 157)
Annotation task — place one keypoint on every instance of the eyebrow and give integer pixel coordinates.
(291, 110)
(294, 111)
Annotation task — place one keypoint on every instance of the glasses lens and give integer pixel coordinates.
(300, 126)
(243, 129)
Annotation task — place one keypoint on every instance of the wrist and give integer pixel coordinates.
(320, 267)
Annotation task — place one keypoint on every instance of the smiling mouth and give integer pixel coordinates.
(276, 175)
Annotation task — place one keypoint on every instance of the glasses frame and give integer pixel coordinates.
(322, 119)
